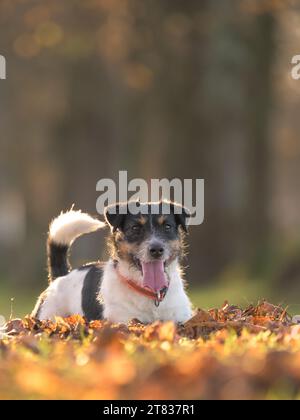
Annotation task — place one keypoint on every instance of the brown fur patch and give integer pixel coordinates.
(161, 220)
(175, 247)
(126, 248)
(120, 248)
(142, 220)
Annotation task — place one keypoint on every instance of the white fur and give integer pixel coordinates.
(63, 296)
(72, 224)
(121, 303)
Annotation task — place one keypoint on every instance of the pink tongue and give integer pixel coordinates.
(154, 275)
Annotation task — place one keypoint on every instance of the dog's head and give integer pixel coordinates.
(149, 240)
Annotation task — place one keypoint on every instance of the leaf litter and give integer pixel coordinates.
(223, 353)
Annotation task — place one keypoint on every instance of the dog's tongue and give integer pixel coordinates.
(154, 275)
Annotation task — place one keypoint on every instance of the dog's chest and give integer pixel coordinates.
(122, 304)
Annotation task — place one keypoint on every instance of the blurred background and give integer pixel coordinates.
(185, 89)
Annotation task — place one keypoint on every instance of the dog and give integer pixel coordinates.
(141, 280)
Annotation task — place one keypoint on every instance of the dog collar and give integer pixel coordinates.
(158, 297)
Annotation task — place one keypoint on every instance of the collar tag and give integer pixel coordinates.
(158, 299)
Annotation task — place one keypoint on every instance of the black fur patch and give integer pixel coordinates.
(58, 264)
(91, 307)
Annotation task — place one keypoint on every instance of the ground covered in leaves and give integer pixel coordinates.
(226, 353)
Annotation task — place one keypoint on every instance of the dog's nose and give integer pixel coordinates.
(156, 250)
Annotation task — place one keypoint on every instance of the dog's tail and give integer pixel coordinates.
(62, 233)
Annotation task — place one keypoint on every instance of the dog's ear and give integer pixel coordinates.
(181, 215)
(115, 216)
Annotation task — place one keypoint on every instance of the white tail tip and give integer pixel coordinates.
(72, 224)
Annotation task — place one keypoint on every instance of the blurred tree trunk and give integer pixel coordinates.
(260, 108)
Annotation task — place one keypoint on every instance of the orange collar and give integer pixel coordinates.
(157, 297)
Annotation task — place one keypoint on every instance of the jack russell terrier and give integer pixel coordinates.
(142, 278)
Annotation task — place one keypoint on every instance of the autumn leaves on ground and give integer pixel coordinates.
(227, 353)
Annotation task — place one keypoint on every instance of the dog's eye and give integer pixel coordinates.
(168, 227)
(136, 228)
